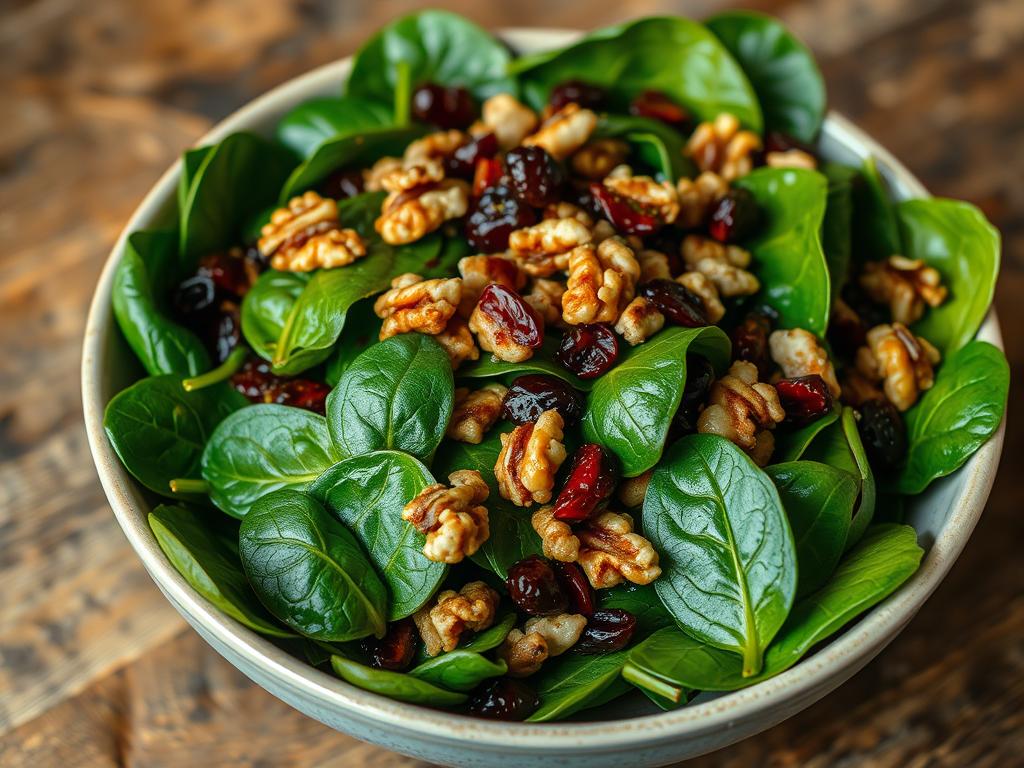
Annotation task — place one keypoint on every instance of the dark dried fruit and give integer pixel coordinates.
(593, 474)
(304, 393)
(488, 173)
(750, 342)
(535, 177)
(658, 106)
(342, 184)
(735, 217)
(625, 215)
(530, 395)
(227, 331)
(576, 586)
(445, 107)
(883, 433)
(232, 274)
(256, 381)
(804, 399)
(700, 375)
(394, 651)
(588, 350)
(517, 319)
(496, 213)
(676, 302)
(776, 141)
(534, 587)
(462, 161)
(609, 629)
(577, 92)
(194, 295)
(504, 699)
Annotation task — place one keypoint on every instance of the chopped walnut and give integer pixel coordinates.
(453, 519)
(406, 177)
(645, 192)
(408, 216)
(561, 632)
(632, 490)
(307, 235)
(791, 158)
(639, 321)
(523, 653)
(458, 342)
(475, 412)
(508, 119)
(740, 408)
(701, 285)
(596, 159)
(433, 146)
(563, 209)
(653, 265)
(906, 285)
(556, 537)
(602, 281)
(415, 304)
(721, 146)
(564, 132)
(543, 248)
(545, 297)
(902, 361)
(472, 608)
(724, 265)
(610, 552)
(480, 271)
(373, 176)
(698, 196)
(603, 229)
(530, 456)
(493, 336)
(798, 353)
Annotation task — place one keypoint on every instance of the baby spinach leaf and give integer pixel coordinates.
(543, 361)
(205, 552)
(884, 559)
(630, 408)
(191, 161)
(266, 307)
(836, 237)
(788, 257)
(148, 266)
(311, 123)
(158, 430)
(263, 449)
(781, 70)
(875, 232)
(309, 571)
(958, 241)
(490, 638)
(819, 502)
(458, 670)
(362, 329)
(956, 416)
(727, 555)
(653, 143)
(367, 493)
(678, 57)
(574, 682)
(790, 443)
(394, 685)
(397, 394)
(641, 601)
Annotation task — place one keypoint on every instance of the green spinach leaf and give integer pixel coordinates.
(361, 331)
(875, 232)
(490, 638)
(790, 443)
(458, 670)
(394, 685)
(653, 143)
(315, 121)
(836, 229)
(543, 361)
(266, 307)
(574, 682)
(641, 601)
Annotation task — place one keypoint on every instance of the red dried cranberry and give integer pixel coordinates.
(750, 341)
(609, 629)
(255, 379)
(586, 95)
(676, 302)
(576, 586)
(588, 350)
(496, 213)
(230, 272)
(734, 217)
(394, 651)
(534, 176)
(700, 375)
(530, 395)
(449, 107)
(883, 432)
(342, 184)
(804, 399)
(534, 587)
(658, 106)
(488, 173)
(592, 476)
(194, 295)
(462, 161)
(625, 215)
(776, 141)
(517, 318)
(504, 699)
(259, 384)
(303, 393)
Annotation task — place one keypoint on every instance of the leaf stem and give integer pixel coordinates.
(221, 373)
(189, 485)
(403, 92)
(649, 682)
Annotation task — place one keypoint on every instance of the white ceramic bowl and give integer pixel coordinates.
(620, 733)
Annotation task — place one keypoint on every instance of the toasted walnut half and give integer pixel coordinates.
(904, 362)
(798, 353)
(740, 408)
(698, 196)
(645, 192)
(721, 146)
(545, 297)
(458, 342)
(564, 132)
(602, 281)
(639, 321)
(433, 146)
(475, 412)
(906, 285)
(791, 158)
(543, 249)
(610, 552)
(701, 285)
(472, 608)
(508, 119)
(453, 519)
(541, 638)
(563, 209)
(307, 235)
(530, 456)
(653, 265)
(415, 304)
(557, 538)
(373, 177)
(409, 215)
(598, 157)
(632, 490)
(724, 265)
(480, 271)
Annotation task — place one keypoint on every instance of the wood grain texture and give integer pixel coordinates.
(96, 669)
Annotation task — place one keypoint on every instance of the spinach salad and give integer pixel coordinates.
(510, 385)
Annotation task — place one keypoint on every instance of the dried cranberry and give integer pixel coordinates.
(394, 651)
(576, 586)
(588, 350)
(883, 432)
(231, 273)
(734, 217)
(750, 341)
(517, 318)
(625, 215)
(342, 184)
(607, 630)
(259, 384)
(449, 107)
(194, 295)
(592, 477)
(227, 331)
(534, 176)
(534, 587)
(658, 106)
(776, 141)
(577, 92)
(678, 303)
(255, 379)
(700, 375)
(530, 395)
(462, 161)
(504, 699)
(496, 213)
(804, 399)
(488, 173)
(303, 393)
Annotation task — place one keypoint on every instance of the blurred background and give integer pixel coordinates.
(98, 98)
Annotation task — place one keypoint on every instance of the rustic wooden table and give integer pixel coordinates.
(97, 669)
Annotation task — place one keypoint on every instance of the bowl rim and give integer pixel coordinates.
(811, 678)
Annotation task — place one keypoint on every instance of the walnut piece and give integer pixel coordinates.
(798, 353)
(453, 519)
(791, 158)
(545, 297)
(307, 235)
(408, 215)
(602, 281)
(596, 159)
(475, 412)
(523, 653)
(698, 196)
(639, 321)
(723, 265)
(721, 146)
(508, 119)
(701, 285)
(493, 335)
(556, 537)
(480, 271)
(906, 285)
(653, 265)
(632, 490)
(902, 361)
(472, 608)
(530, 456)
(415, 304)
(563, 209)
(373, 176)
(433, 146)
(645, 192)
(740, 408)
(458, 342)
(542, 249)
(611, 552)
(564, 132)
